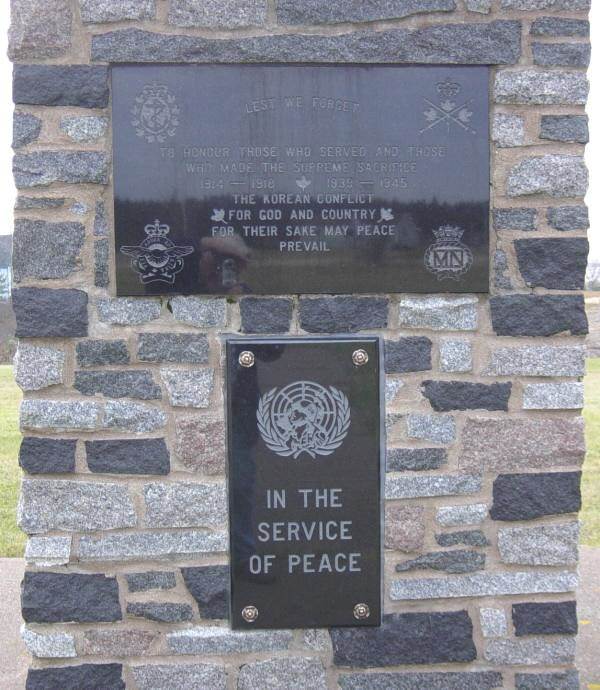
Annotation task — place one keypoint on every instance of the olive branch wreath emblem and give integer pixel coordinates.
(277, 441)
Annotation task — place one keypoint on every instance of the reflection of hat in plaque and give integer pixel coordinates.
(233, 246)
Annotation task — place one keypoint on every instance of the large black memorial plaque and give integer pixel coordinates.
(304, 482)
(300, 178)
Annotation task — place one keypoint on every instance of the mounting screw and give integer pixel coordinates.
(249, 614)
(360, 357)
(246, 359)
(361, 611)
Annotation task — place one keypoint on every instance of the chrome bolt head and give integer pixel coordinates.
(361, 611)
(246, 359)
(249, 614)
(360, 357)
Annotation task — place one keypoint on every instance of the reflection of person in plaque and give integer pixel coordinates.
(222, 260)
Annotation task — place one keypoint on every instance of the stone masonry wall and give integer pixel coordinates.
(124, 491)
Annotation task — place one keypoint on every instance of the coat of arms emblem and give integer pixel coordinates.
(157, 258)
(448, 111)
(303, 417)
(448, 257)
(155, 113)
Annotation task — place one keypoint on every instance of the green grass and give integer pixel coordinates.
(590, 514)
(12, 540)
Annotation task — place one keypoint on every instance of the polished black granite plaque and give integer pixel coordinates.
(274, 179)
(304, 433)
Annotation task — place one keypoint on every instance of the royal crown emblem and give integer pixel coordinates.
(448, 257)
(155, 113)
(157, 258)
(303, 417)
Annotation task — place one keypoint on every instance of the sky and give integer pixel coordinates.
(7, 192)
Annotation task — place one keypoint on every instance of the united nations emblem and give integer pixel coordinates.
(155, 113)
(448, 257)
(157, 258)
(303, 417)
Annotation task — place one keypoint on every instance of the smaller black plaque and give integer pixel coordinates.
(304, 431)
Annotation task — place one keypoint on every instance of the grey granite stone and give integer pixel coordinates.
(217, 640)
(101, 267)
(445, 396)
(125, 415)
(101, 11)
(480, 6)
(84, 129)
(341, 314)
(456, 356)
(537, 360)
(49, 504)
(25, 203)
(160, 612)
(89, 676)
(153, 579)
(454, 562)
(182, 504)
(431, 485)
(408, 354)
(209, 585)
(180, 676)
(73, 597)
(59, 415)
(415, 459)
(483, 585)
(317, 640)
(500, 270)
(202, 312)
(79, 208)
(118, 643)
(47, 552)
(82, 86)
(48, 646)
(46, 250)
(128, 456)
(508, 130)
(532, 651)
(152, 545)
(392, 387)
(42, 168)
(266, 315)
(497, 42)
(122, 383)
(294, 673)
(471, 514)
(493, 622)
(561, 54)
(39, 29)
(553, 396)
(474, 537)
(44, 313)
(568, 218)
(94, 353)
(439, 313)
(127, 311)
(515, 218)
(200, 444)
(567, 128)
(526, 5)
(554, 544)
(184, 348)
(434, 428)
(442, 680)
(514, 444)
(559, 26)
(188, 387)
(545, 618)
(38, 367)
(554, 174)
(404, 528)
(100, 220)
(538, 315)
(343, 11)
(47, 455)
(540, 87)
(556, 263)
(26, 129)
(218, 14)
(567, 680)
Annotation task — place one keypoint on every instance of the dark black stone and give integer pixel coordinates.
(415, 459)
(556, 263)
(265, 315)
(473, 537)
(118, 384)
(343, 314)
(461, 395)
(82, 86)
(47, 455)
(74, 597)
(209, 585)
(455, 562)
(407, 354)
(153, 579)
(132, 456)
(93, 353)
(45, 313)
(529, 496)
(406, 638)
(568, 128)
(538, 315)
(515, 219)
(559, 26)
(84, 676)
(569, 680)
(567, 218)
(551, 618)
(161, 612)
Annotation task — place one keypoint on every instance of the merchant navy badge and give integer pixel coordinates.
(157, 258)
(155, 113)
(448, 257)
(303, 417)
